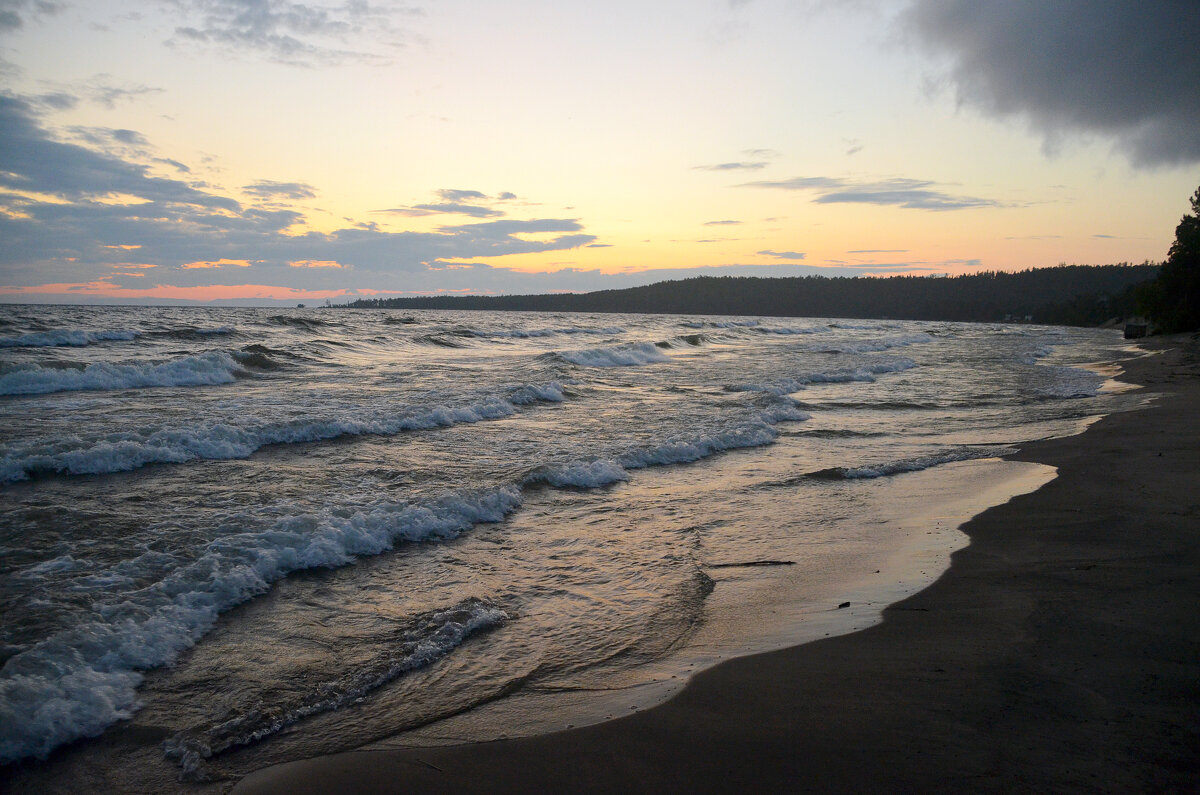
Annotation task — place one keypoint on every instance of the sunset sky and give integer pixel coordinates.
(259, 149)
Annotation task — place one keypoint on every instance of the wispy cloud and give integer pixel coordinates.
(735, 166)
(299, 34)
(878, 251)
(104, 92)
(15, 13)
(783, 254)
(267, 189)
(722, 223)
(915, 194)
(454, 201)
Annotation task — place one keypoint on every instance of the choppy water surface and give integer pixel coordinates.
(231, 537)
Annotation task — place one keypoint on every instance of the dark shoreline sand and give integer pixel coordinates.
(1059, 653)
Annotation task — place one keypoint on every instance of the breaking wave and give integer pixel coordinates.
(423, 640)
(204, 369)
(65, 337)
(908, 464)
(606, 471)
(632, 355)
(133, 449)
(79, 681)
(874, 346)
(867, 373)
(548, 332)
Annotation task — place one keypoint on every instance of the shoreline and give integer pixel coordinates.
(1060, 651)
(771, 609)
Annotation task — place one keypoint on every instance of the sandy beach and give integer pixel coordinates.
(1059, 653)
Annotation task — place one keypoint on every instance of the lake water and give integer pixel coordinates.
(233, 537)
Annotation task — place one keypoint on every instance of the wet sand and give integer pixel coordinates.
(1059, 652)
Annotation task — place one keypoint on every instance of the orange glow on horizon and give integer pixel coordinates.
(214, 292)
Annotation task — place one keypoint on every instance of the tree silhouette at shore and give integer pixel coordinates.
(1173, 300)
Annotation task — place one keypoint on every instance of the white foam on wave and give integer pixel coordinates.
(75, 338)
(865, 373)
(530, 393)
(788, 330)
(631, 355)
(685, 451)
(873, 346)
(917, 464)
(135, 449)
(1041, 352)
(784, 412)
(204, 369)
(580, 474)
(1069, 382)
(608, 331)
(429, 638)
(606, 471)
(81, 680)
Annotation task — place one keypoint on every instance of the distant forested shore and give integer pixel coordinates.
(1081, 295)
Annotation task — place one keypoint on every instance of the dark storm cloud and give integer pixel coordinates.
(1126, 69)
(268, 189)
(915, 194)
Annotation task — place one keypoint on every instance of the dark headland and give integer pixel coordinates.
(1059, 653)
(1080, 295)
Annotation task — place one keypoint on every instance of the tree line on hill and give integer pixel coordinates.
(1066, 295)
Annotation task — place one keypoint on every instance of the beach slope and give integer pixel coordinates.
(1060, 652)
